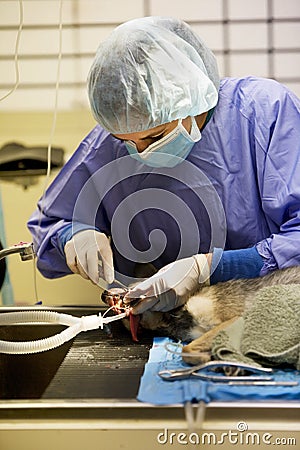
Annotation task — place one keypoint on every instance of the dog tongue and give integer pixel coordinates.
(134, 325)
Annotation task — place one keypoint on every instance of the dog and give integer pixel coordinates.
(210, 309)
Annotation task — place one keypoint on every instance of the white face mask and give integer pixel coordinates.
(170, 150)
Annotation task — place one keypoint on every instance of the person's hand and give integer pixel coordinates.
(171, 286)
(89, 254)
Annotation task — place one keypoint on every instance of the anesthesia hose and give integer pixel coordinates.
(75, 326)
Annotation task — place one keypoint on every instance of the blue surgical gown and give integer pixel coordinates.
(238, 188)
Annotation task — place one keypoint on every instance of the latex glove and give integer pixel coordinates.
(171, 286)
(89, 254)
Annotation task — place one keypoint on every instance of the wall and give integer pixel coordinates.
(260, 37)
(32, 128)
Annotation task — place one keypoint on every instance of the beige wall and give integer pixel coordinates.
(257, 37)
(18, 204)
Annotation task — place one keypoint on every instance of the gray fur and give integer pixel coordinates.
(228, 300)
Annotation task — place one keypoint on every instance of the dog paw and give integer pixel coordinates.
(195, 357)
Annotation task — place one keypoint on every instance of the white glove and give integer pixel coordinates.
(171, 286)
(89, 254)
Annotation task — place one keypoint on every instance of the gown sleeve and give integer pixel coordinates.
(279, 142)
(273, 113)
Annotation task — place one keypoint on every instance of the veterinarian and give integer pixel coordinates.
(225, 152)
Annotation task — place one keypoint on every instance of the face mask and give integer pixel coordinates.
(170, 150)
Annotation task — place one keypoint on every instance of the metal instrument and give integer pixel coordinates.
(25, 250)
(204, 372)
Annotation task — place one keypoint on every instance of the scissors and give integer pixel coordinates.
(201, 371)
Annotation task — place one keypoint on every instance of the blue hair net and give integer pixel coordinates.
(151, 71)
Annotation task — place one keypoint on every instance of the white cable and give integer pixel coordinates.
(16, 54)
(178, 347)
(59, 57)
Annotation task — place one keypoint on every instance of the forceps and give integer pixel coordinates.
(201, 371)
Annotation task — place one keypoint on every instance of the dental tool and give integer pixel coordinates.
(201, 371)
(263, 383)
(115, 281)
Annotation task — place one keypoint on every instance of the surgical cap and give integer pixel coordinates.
(151, 71)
